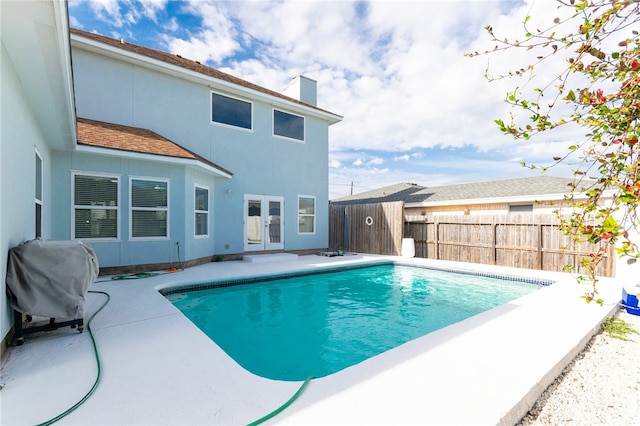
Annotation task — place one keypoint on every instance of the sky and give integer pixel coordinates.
(415, 108)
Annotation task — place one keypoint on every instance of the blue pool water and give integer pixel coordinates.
(316, 325)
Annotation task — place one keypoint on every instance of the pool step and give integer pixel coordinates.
(262, 258)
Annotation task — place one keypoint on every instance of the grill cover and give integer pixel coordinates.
(49, 278)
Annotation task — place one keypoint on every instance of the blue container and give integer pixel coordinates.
(630, 302)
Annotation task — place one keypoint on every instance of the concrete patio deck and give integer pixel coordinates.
(158, 368)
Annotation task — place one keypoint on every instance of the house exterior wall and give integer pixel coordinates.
(20, 136)
(539, 207)
(116, 91)
(181, 244)
(37, 115)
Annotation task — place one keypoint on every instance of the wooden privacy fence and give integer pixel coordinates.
(367, 228)
(520, 241)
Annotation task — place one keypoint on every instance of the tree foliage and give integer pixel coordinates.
(598, 89)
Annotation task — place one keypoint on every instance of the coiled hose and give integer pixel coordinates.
(98, 375)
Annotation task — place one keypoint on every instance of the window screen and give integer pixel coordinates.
(306, 215)
(95, 206)
(149, 208)
(201, 211)
(38, 191)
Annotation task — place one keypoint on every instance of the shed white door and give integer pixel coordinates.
(264, 222)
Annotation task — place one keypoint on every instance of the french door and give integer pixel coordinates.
(263, 222)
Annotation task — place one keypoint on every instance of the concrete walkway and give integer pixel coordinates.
(158, 368)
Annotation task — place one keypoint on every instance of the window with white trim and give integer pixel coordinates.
(149, 208)
(38, 192)
(288, 125)
(201, 222)
(95, 206)
(231, 111)
(306, 215)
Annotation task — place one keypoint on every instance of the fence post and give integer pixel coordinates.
(346, 229)
(494, 249)
(540, 253)
(437, 232)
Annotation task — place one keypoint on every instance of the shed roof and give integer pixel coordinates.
(412, 193)
(134, 139)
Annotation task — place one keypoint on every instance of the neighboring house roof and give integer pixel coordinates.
(538, 187)
(134, 139)
(195, 66)
(398, 192)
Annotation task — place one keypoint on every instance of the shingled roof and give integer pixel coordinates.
(134, 139)
(190, 65)
(413, 193)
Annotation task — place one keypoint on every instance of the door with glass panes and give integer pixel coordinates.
(263, 222)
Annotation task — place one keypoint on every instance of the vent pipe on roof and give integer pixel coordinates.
(303, 89)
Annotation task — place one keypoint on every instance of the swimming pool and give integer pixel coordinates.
(293, 327)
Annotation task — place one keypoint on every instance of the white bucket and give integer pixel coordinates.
(408, 247)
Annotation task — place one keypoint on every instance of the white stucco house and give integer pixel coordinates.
(153, 159)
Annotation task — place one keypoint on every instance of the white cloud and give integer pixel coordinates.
(214, 41)
(171, 25)
(107, 11)
(74, 22)
(335, 164)
(395, 70)
(150, 8)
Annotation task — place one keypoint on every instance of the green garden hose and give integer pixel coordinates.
(135, 276)
(98, 375)
(283, 406)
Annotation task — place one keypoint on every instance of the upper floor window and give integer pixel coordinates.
(201, 211)
(95, 206)
(231, 111)
(38, 192)
(306, 215)
(288, 125)
(149, 208)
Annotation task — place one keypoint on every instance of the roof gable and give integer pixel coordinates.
(195, 66)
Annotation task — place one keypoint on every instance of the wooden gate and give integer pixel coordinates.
(367, 228)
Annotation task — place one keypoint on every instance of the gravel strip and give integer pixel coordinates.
(601, 386)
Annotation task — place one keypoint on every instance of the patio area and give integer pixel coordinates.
(158, 368)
